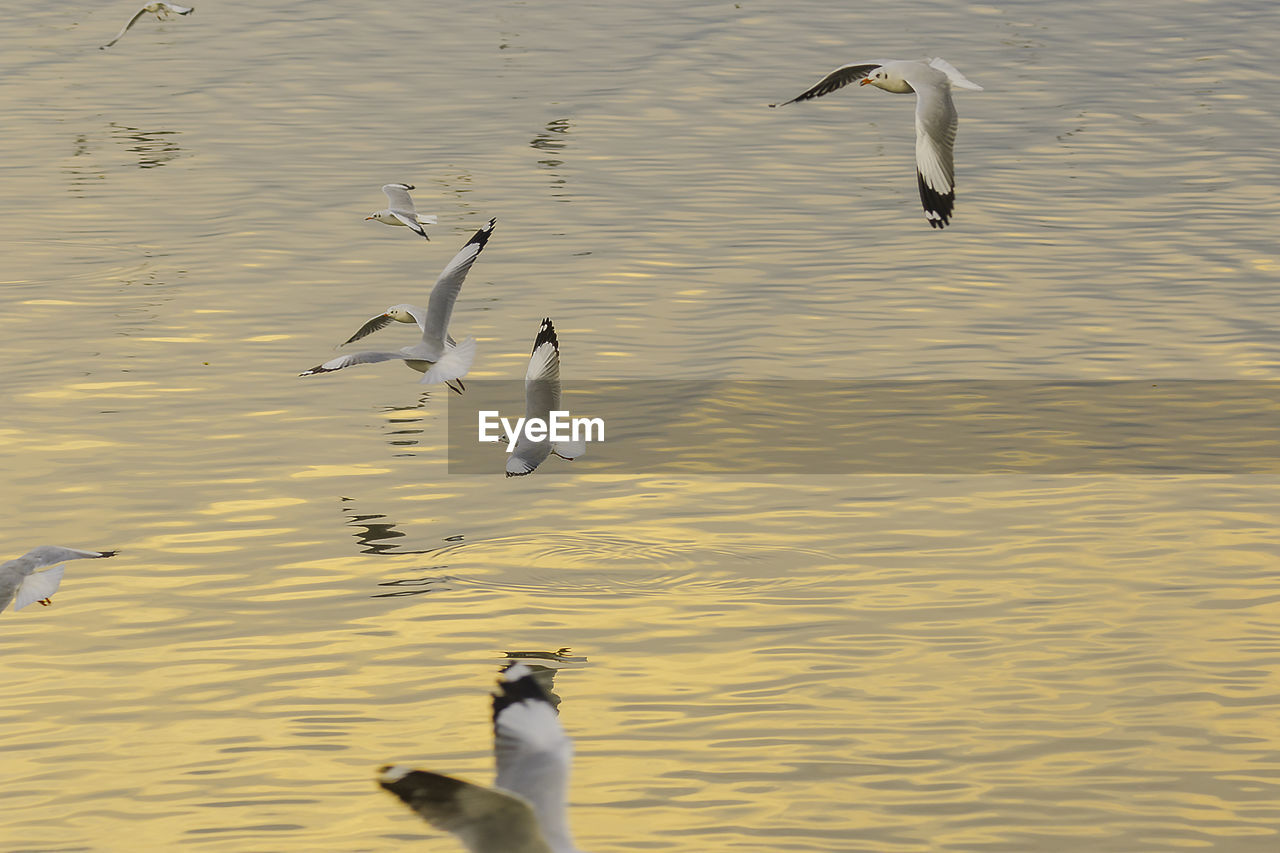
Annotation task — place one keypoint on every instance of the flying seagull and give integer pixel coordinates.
(437, 357)
(936, 119)
(525, 810)
(161, 10)
(541, 397)
(400, 210)
(20, 583)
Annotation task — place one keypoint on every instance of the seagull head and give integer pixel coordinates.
(381, 216)
(883, 78)
(401, 314)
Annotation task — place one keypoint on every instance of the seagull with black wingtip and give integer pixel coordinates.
(525, 810)
(22, 584)
(936, 119)
(436, 356)
(400, 210)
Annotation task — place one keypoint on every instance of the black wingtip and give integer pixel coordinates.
(107, 553)
(523, 689)
(937, 207)
(481, 237)
(546, 333)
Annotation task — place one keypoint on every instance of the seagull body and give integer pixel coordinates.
(400, 210)
(936, 120)
(436, 356)
(525, 810)
(161, 10)
(541, 397)
(20, 583)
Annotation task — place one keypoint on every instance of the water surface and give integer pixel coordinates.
(938, 661)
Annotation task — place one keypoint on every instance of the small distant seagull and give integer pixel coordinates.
(20, 583)
(161, 10)
(525, 810)
(436, 356)
(936, 119)
(400, 210)
(541, 397)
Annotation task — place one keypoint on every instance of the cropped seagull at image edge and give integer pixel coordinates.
(162, 11)
(437, 356)
(400, 210)
(525, 810)
(936, 118)
(22, 584)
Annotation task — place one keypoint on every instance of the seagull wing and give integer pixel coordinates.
(541, 396)
(485, 820)
(533, 753)
(375, 325)
(353, 358)
(838, 79)
(37, 586)
(410, 219)
(445, 292)
(936, 122)
(953, 74)
(126, 27)
(398, 199)
(47, 555)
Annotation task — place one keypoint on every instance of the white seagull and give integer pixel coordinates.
(541, 397)
(936, 119)
(161, 10)
(400, 210)
(525, 810)
(436, 356)
(20, 583)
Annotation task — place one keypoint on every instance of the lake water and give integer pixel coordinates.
(829, 662)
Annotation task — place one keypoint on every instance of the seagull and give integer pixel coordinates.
(936, 119)
(19, 584)
(160, 10)
(400, 210)
(541, 397)
(525, 810)
(437, 356)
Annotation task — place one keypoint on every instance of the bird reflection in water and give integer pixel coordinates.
(153, 148)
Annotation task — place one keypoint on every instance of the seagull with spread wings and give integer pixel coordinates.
(541, 398)
(162, 11)
(400, 210)
(22, 584)
(437, 356)
(936, 119)
(525, 811)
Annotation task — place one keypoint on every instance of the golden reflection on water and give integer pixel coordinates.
(873, 663)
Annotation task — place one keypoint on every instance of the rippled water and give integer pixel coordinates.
(852, 663)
